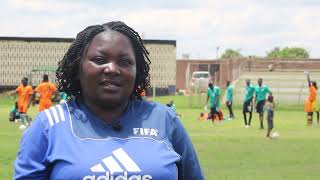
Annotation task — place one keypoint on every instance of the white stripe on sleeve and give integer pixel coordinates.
(61, 112)
(49, 117)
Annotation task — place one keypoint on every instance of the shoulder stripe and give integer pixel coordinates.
(55, 114)
(61, 112)
(49, 117)
(112, 165)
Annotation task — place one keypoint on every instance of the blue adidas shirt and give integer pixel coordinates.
(67, 141)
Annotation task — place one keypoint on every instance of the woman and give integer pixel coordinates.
(106, 131)
(311, 104)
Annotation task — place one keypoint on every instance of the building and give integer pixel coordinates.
(20, 55)
(220, 70)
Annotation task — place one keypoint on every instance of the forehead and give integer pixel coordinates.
(110, 38)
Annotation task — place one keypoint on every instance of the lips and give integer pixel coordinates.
(110, 85)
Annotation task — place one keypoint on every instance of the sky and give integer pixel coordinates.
(202, 28)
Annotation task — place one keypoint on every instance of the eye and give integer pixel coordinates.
(98, 60)
(125, 62)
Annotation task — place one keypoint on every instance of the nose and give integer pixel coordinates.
(111, 68)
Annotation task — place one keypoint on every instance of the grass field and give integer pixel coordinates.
(226, 151)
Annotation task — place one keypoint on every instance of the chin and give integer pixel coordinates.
(112, 102)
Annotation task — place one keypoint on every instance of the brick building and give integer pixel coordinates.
(20, 55)
(231, 69)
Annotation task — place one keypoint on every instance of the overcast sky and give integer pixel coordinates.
(199, 26)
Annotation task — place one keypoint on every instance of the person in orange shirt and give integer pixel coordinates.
(44, 91)
(24, 92)
(311, 104)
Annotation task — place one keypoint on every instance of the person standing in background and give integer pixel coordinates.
(270, 114)
(248, 104)
(44, 91)
(24, 92)
(260, 99)
(229, 98)
(311, 104)
(213, 94)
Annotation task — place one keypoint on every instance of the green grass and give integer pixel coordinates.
(226, 151)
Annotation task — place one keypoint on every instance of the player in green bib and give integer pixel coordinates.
(229, 99)
(260, 99)
(213, 94)
(248, 104)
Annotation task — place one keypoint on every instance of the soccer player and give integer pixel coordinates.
(229, 99)
(24, 92)
(14, 113)
(248, 104)
(311, 104)
(260, 99)
(213, 94)
(44, 91)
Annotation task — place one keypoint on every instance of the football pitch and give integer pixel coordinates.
(226, 150)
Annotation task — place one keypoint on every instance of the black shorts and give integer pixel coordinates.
(270, 119)
(260, 106)
(213, 110)
(247, 106)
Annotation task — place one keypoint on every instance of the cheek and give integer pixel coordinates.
(130, 76)
(86, 73)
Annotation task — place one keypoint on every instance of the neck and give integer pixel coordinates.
(107, 112)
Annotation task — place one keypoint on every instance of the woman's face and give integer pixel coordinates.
(108, 70)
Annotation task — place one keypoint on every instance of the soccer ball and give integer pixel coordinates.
(22, 127)
(271, 67)
(275, 135)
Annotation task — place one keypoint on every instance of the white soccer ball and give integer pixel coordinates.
(22, 127)
(271, 67)
(275, 135)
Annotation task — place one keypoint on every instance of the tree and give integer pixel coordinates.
(274, 53)
(230, 53)
(288, 52)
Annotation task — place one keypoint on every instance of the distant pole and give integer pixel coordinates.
(217, 52)
(153, 93)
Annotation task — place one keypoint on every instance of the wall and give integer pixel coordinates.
(231, 69)
(283, 64)
(163, 64)
(19, 55)
(228, 69)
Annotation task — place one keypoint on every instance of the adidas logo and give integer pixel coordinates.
(111, 163)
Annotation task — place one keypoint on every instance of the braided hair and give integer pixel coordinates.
(68, 67)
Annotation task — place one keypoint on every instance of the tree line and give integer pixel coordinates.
(277, 52)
